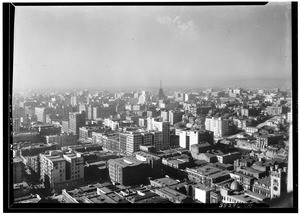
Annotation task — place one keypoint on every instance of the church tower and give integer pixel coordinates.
(161, 95)
(276, 183)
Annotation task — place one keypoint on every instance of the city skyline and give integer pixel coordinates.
(139, 46)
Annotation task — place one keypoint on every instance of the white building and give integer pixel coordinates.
(202, 193)
(218, 125)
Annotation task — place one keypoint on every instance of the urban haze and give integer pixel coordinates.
(153, 104)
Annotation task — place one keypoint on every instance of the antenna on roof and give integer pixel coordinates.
(160, 84)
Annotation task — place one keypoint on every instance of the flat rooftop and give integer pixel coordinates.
(126, 161)
(165, 181)
(205, 170)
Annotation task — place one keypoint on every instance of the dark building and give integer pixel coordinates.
(76, 120)
(127, 171)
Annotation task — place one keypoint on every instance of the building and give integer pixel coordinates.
(263, 141)
(251, 130)
(133, 141)
(250, 112)
(16, 125)
(62, 139)
(74, 166)
(41, 113)
(60, 170)
(157, 139)
(31, 136)
(18, 169)
(274, 110)
(236, 197)
(76, 120)
(154, 162)
(37, 148)
(262, 186)
(202, 193)
(207, 175)
(127, 171)
(65, 126)
(53, 168)
(86, 131)
(172, 195)
(164, 114)
(219, 126)
(164, 127)
(161, 95)
(112, 123)
(191, 137)
(163, 182)
(175, 116)
(147, 138)
(184, 139)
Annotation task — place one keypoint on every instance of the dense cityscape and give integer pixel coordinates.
(156, 145)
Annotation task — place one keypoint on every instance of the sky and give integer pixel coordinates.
(105, 46)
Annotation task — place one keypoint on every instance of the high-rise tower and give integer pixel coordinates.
(161, 94)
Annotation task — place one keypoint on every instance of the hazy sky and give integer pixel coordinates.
(104, 46)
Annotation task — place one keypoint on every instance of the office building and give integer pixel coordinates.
(16, 125)
(53, 168)
(127, 171)
(76, 120)
(41, 113)
(74, 166)
(133, 141)
(164, 127)
(18, 169)
(175, 116)
(219, 126)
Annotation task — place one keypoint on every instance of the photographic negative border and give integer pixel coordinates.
(8, 44)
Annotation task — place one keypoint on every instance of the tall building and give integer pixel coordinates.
(53, 168)
(41, 113)
(147, 138)
(122, 142)
(76, 120)
(184, 139)
(133, 142)
(73, 100)
(164, 114)
(16, 125)
(74, 166)
(18, 168)
(219, 126)
(142, 99)
(192, 137)
(175, 116)
(65, 126)
(164, 127)
(61, 170)
(90, 112)
(157, 139)
(161, 95)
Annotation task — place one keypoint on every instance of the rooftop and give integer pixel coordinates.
(205, 170)
(125, 161)
(165, 181)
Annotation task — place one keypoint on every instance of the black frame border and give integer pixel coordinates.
(8, 46)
